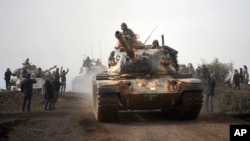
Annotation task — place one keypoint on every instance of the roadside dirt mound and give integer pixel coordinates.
(12, 101)
(64, 123)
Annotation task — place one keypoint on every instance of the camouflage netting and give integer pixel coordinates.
(232, 101)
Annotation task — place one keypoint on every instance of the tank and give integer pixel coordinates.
(20, 73)
(143, 77)
(80, 83)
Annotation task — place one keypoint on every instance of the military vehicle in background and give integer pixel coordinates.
(143, 77)
(36, 73)
(82, 82)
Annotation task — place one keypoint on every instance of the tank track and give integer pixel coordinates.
(106, 107)
(190, 107)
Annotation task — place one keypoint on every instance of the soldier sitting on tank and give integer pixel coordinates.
(87, 62)
(173, 54)
(130, 37)
(127, 33)
(155, 44)
(26, 63)
(39, 73)
(111, 60)
(97, 62)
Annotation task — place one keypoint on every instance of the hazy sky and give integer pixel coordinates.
(61, 32)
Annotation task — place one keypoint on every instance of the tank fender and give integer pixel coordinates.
(108, 87)
(190, 84)
(193, 87)
(190, 80)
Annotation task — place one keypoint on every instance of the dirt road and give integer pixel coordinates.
(73, 120)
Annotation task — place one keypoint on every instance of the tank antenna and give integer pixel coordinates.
(162, 40)
(150, 34)
(100, 51)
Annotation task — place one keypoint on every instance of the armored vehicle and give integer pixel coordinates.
(20, 73)
(80, 83)
(143, 77)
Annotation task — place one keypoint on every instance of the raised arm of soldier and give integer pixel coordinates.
(61, 70)
(67, 71)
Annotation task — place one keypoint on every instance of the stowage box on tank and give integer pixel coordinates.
(143, 77)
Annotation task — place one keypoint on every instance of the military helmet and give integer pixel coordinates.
(124, 25)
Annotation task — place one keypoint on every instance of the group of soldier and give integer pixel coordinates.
(240, 77)
(90, 62)
(52, 87)
(55, 82)
(237, 79)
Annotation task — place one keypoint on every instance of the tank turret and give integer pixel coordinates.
(89, 68)
(36, 73)
(135, 57)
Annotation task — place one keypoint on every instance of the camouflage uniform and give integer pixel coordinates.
(128, 33)
(155, 44)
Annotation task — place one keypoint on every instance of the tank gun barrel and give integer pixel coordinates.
(126, 46)
(50, 69)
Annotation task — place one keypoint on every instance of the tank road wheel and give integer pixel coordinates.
(190, 107)
(107, 107)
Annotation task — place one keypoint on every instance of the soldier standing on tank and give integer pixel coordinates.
(7, 76)
(210, 93)
(63, 79)
(26, 89)
(26, 63)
